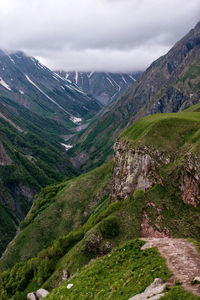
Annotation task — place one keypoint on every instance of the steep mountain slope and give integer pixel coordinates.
(154, 192)
(56, 211)
(104, 87)
(26, 81)
(37, 110)
(170, 84)
(31, 156)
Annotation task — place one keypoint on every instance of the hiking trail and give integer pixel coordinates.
(182, 259)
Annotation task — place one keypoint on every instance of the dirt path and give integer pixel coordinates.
(182, 260)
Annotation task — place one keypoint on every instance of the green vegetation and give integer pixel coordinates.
(159, 132)
(123, 273)
(36, 270)
(74, 221)
(57, 210)
(176, 293)
(37, 160)
(100, 138)
(110, 227)
(168, 139)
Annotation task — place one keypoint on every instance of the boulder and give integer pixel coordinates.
(41, 293)
(152, 292)
(31, 296)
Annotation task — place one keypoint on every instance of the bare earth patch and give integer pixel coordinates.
(182, 260)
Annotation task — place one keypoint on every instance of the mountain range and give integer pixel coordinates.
(95, 235)
(104, 87)
(170, 84)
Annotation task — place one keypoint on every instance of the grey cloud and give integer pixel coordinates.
(123, 35)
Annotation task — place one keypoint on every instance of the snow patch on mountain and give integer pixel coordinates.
(11, 59)
(75, 120)
(110, 81)
(90, 75)
(4, 84)
(67, 147)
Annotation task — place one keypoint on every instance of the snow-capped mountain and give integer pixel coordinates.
(28, 82)
(104, 87)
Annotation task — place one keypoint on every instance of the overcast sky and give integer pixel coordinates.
(101, 35)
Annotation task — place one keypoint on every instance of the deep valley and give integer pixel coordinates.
(100, 180)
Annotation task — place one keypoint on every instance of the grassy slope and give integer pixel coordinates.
(170, 133)
(38, 159)
(166, 133)
(122, 274)
(57, 211)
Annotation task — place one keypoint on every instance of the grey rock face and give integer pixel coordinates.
(152, 292)
(138, 169)
(134, 169)
(104, 87)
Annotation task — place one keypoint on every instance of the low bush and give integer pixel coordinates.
(110, 227)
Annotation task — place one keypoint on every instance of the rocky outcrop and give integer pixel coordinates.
(190, 185)
(152, 292)
(172, 101)
(138, 168)
(147, 230)
(191, 191)
(135, 169)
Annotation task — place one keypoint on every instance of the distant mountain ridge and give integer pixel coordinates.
(36, 87)
(103, 86)
(170, 84)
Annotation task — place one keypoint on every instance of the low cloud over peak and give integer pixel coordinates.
(110, 35)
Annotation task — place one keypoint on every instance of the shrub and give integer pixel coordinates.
(92, 242)
(110, 227)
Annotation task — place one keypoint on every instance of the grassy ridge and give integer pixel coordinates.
(165, 132)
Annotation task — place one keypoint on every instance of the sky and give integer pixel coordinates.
(95, 35)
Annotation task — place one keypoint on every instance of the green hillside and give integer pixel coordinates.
(166, 132)
(31, 158)
(57, 210)
(79, 220)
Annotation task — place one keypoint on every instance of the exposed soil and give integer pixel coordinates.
(182, 259)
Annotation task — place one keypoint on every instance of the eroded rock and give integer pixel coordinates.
(191, 191)
(138, 168)
(147, 230)
(133, 169)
